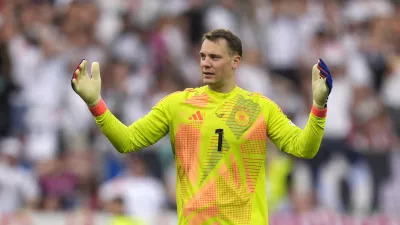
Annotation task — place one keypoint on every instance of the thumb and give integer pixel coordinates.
(95, 71)
(315, 73)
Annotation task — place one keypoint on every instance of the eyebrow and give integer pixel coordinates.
(210, 54)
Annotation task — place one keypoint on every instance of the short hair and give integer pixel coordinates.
(234, 42)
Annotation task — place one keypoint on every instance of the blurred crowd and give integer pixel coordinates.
(54, 158)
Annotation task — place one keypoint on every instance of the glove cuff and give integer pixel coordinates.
(321, 113)
(98, 109)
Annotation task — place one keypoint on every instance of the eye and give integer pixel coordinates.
(214, 57)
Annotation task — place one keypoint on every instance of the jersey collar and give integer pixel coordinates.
(220, 95)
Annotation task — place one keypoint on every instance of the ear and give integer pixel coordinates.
(235, 61)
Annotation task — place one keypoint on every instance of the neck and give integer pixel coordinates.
(224, 88)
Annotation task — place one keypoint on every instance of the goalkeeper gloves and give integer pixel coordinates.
(321, 84)
(88, 88)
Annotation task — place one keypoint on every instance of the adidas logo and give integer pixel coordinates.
(196, 116)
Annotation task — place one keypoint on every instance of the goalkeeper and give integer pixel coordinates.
(218, 134)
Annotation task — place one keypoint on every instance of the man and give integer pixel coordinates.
(218, 132)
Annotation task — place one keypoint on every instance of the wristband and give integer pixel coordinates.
(319, 112)
(99, 109)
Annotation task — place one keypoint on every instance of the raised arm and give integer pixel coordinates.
(290, 138)
(144, 132)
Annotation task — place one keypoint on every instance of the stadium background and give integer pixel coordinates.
(57, 168)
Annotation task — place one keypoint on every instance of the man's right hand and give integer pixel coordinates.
(88, 88)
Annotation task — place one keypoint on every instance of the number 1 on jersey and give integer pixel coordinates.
(220, 133)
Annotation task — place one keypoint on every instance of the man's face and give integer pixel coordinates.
(216, 64)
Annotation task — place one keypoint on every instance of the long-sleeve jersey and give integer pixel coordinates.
(220, 144)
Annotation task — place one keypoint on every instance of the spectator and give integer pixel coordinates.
(21, 190)
(116, 207)
(143, 195)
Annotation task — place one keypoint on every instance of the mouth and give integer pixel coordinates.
(208, 74)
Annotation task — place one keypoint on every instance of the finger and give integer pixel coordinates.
(315, 72)
(324, 65)
(82, 68)
(329, 83)
(95, 71)
(327, 79)
(322, 61)
(79, 71)
(323, 74)
(324, 70)
(74, 84)
(74, 75)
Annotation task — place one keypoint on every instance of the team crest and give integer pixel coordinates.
(242, 118)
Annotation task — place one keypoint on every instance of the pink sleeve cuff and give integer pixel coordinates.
(319, 112)
(99, 109)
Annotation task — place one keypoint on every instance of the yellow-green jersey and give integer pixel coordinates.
(220, 144)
